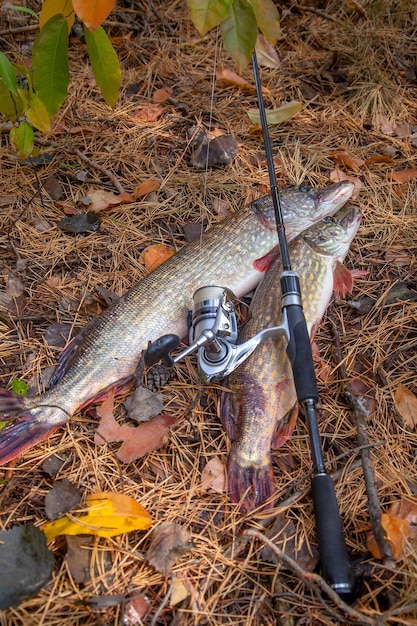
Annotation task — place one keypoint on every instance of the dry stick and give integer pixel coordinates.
(323, 14)
(82, 157)
(313, 580)
(374, 505)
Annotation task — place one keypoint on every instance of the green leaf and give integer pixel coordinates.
(8, 74)
(105, 64)
(10, 106)
(37, 114)
(22, 138)
(267, 18)
(19, 387)
(23, 10)
(50, 63)
(276, 116)
(206, 14)
(239, 32)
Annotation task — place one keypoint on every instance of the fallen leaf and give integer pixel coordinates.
(364, 394)
(26, 564)
(137, 440)
(53, 187)
(146, 187)
(230, 78)
(143, 404)
(169, 542)
(52, 464)
(379, 158)
(80, 223)
(193, 231)
(266, 54)
(14, 286)
(384, 125)
(57, 334)
(179, 592)
(400, 258)
(162, 95)
(396, 530)
(356, 6)
(338, 175)
(78, 558)
(402, 128)
(61, 498)
(149, 113)
(107, 514)
(100, 199)
(403, 176)
(283, 535)
(213, 476)
(153, 256)
(406, 404)
(342, 157)
(222, 207)
(211, 147)
(276, 116)
(136, 609)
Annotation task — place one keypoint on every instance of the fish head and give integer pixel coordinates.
(333, 235)
(303, 206)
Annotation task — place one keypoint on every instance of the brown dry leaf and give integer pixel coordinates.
(384, 125)
(266, 54)
(364, 394)
(402, 128)
(162, 95)
(155, 255)
(379, 158)
(230, 78)
(400, 258)
(342, 157)
(14, 286)
(213, 476)
(396, 531)
(146, 187)
(143, 404)
(169, 542)
(222, 207)
(137, 441)
(136, 609)
(403, 176)
(100, 200)
(406, 404)
(338, 175)
(353, 4)
(149, 113)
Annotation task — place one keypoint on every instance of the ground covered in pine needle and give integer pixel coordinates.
(353, 66)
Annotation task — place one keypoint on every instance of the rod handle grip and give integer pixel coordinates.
(334, 557)
(300, 355)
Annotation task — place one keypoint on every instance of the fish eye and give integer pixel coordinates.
(304, 188)
(328, 219)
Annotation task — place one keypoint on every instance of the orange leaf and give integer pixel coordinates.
(162, 95)
(406, 405)
(146, 187)
(155, 255)
(149, 113)
(379, 158)
(93, 12)
(396, 531)
(352, 4)
(229, 78)
(403, 176)
(144, 438)
(342, 157)
(99, 199)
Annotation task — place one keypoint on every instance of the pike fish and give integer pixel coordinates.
(105, 354)
(261, 409)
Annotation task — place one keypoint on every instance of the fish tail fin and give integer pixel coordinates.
(24, 432)
(249, 485)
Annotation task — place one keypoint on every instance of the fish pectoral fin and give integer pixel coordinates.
(285, 427)
(262, 264)
(65, 358)
(229, 413)
(342, 280)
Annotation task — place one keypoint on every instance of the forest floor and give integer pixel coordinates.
(353, 66)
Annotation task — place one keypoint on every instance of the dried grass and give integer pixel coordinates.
(357, 68)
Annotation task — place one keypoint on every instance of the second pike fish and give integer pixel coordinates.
(262, 402)
(233, 254)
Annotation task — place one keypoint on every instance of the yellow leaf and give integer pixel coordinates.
(93, 12)
(276, 116)
(179, 593)
(396, 531)
(57, 7)
(107, 514)
(406, 405)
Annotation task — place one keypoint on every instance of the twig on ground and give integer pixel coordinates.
(374, 505)
(164, 602)
(320, 13)
(312, 580)
(83, 157)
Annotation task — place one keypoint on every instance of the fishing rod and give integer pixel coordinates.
(334, 558)
(213, 334)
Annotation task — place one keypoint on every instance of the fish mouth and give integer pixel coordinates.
(331, 198)
(351, 218)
